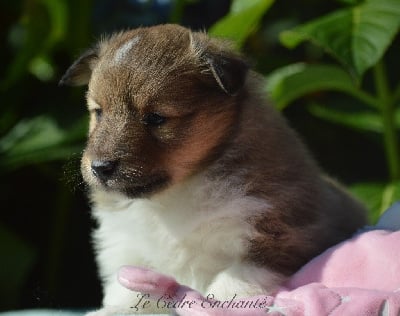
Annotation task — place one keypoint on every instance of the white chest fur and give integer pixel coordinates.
(192, 232)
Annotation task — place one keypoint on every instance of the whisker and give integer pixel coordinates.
(72, 176)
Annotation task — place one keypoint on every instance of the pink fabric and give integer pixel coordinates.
(360, 276)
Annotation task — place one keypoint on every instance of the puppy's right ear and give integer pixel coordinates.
(79, 72)
(228, 69)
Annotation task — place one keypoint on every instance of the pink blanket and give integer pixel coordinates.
(360, 276)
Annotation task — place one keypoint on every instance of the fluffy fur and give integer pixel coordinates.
(193, 174)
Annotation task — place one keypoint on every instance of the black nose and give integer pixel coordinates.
(103, 169)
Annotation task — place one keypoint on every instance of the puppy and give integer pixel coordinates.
(193, 174)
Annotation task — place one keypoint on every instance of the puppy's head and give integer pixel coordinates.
(162, 100)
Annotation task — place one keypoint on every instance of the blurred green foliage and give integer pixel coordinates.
(244, 17)
(330, 66)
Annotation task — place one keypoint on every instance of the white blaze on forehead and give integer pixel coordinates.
(122, 52)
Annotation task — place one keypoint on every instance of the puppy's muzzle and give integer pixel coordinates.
(104, 169)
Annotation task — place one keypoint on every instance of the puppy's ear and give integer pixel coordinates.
(228, 69)
(79, 72)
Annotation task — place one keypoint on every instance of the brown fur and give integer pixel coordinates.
(216, 122)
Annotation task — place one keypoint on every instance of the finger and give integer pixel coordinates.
(147, 281)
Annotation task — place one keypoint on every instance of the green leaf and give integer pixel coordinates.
(349, 2)
(39, 140)
(42, 68)
(360, 120)
(357, 36)
(58, 16)
(371, 195)
(390, 194)
(242, 20)
(238, 6)
(31, 135)
(43, 24)
(296, 80)
(377, 197)
(363, 120)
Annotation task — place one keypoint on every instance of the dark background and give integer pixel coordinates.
(45, 251)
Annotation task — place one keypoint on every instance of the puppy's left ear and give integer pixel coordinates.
(229, 71)
(228, 68)
(79, 72)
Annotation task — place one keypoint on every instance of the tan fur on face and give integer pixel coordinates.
(92, 107)
(207, 132)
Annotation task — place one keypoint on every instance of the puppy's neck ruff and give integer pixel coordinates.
(178, 224)
(121, 56)
(186, 205)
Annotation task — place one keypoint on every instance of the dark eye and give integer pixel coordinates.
(98, 114)
(153, 119)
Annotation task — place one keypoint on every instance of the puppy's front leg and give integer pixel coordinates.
(243, 280)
